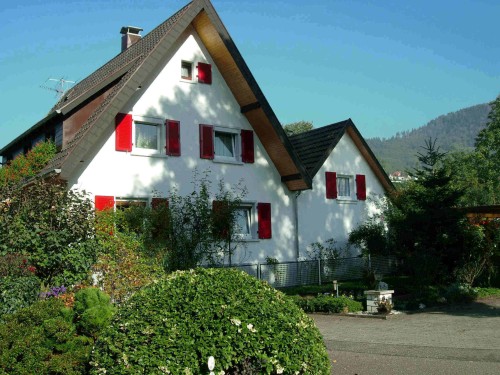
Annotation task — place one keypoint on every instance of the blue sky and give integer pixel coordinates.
(388, 65)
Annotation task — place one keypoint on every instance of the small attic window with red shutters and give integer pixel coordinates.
(204, 73)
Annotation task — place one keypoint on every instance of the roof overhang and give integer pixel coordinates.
(371, 159)
(252, 101)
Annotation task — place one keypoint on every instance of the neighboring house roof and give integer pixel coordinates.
(315, 146)
(118, 80)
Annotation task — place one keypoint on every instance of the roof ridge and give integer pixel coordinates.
(143, 46)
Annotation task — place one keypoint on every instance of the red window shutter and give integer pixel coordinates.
(204, 73)
(173, 141)
(103, 202)
(361, 187)
(264, 216)
(331, 185)
(206, 141)
(123, 132)
(247, 147)
(159, 202)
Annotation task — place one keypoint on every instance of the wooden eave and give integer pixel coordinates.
(251, 100)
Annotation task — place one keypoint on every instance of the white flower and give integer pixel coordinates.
(236, 322)
(211, 363)
(279, 369)
(250, 327)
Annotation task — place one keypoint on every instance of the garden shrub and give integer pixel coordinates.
(52, 227)
(42, 339)
(124, 266)
(328, 304)
(93, 311)
(175, 325)
(19, 287)
(460, 293)
(17, 292)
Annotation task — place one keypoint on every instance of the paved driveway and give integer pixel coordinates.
(451, 341)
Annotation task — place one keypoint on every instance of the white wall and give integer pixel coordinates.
(321, 219)
(123, 174)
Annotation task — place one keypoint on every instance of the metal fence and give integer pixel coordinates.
(309, 272)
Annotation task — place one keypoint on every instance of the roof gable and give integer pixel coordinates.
(133, 66)
(315, 146)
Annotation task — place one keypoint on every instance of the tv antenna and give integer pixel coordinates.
(60, 87)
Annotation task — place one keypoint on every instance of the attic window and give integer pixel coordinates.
(187, 70)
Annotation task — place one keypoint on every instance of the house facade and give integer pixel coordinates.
(181, 99)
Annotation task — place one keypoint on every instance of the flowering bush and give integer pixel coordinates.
(175, 325)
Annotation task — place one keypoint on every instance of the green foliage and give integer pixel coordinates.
(130, 258)
(371, 238)
(26, 166)
(328, 304)
(488, 153)
(42, 339)
(482, 241)
(488, 292)
(175, 325)
(460, 293)
(50, 225)
(298, 127)
(19, 287)
(196, 233)
(326, 250)
(432, 238)
(93, 311)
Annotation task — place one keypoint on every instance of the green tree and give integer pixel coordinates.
(197, 230)
(297, 127)
(488, 154)
(25, 166)
(52, 226)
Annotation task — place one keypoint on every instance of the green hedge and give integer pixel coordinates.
(42, 339)
(328, 304)
(48, 338)
(175, 325)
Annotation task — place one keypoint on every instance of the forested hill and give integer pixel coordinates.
(454, 131)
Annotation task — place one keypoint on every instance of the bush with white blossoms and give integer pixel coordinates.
(175, 325)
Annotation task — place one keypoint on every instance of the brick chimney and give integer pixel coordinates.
(130, 35)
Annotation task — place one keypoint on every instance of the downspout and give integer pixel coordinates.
(296, 219)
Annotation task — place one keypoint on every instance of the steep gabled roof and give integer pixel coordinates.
(315, 146)
(122, 75)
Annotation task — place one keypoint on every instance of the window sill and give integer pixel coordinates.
(247, 239)
(227, 161)
(148, 154)
(347, 201)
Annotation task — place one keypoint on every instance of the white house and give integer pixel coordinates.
(182, 98)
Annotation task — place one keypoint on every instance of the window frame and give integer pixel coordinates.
(236, 142)
(160, 134)
(191, 66)
(251, 208)
(352, 188)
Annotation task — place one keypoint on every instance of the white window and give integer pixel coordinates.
(226, 145)
(148, 136)
(344, 186)
(244, 224)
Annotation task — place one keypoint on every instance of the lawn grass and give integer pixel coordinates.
(488, 292)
